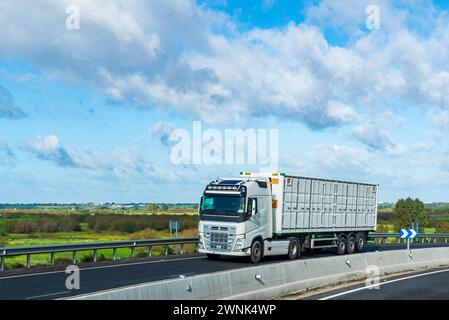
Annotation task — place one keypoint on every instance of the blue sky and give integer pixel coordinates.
(85, 113)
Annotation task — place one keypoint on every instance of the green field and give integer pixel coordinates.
(28, 228)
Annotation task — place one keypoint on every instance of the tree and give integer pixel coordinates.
(153, 207)
(164, 207)
(409, 211)
(442, 227)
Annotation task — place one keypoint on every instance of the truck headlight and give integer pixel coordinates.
(200, 242)
(240, 242)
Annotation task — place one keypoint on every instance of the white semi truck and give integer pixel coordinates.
(263, 214)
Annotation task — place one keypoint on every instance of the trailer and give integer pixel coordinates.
(261, 214)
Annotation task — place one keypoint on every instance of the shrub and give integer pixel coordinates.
(144, 234)
(17, 265)
(63, 260)
(87, 258)
(23, 226)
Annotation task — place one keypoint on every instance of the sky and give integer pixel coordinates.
(88, 110)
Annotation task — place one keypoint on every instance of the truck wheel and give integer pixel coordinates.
(256, 251)
(341, 245)
(360, 241)
(212, 256)
(350, 245)
(293, 249)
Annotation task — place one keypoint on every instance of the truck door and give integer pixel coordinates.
(256, 224)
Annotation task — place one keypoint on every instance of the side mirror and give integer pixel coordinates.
(253, 206)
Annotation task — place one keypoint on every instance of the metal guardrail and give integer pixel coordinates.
(94, 246)
(425, 237)
(166, 243)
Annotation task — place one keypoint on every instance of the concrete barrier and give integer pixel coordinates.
(282, 278)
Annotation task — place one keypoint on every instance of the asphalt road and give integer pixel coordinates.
(428, 285)
(51, 284)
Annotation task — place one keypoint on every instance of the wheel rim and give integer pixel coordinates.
(293, 249)
(361, 243)
(256, 251)
(351, 245)
(342, 246)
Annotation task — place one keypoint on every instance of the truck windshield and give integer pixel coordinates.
(223, 205)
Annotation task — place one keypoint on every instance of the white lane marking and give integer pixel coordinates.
(382, 283)
(46, 295)
(100, 267)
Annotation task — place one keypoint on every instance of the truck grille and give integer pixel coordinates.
(219, 240)
(219, 237)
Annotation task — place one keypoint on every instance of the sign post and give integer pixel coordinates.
(408, 234)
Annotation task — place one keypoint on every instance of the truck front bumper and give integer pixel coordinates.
(240, 253)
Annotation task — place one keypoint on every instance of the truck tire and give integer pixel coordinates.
(360, 240)
(256, 251)
(341, 246)
(350, 245)
(212, 256)
(293, 249)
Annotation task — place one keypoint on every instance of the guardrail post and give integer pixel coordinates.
(95, 255)
(182, 248)
(150, 251)
(422, 240)
(166, 250)
(74, 257)
(132, 251)
(28, 261)
(52, 258)
(435, 240)
(445, 240)
(114, 254)
(399, 241)
(3, 263)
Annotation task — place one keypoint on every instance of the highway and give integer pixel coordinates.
(426, 285)
(51, 284)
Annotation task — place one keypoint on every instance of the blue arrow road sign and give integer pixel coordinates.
(408, 233)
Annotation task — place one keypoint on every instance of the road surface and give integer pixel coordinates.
(426, 285)
(51, 284)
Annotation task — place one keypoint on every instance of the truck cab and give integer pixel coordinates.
(236, 218)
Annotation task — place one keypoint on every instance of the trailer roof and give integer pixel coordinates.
(277, 174)
(333, 180)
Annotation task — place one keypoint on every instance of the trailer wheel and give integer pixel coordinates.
(360, 241)
(212, 256)
(293, 249)
(256, 251)
(341, 245)
(350, 245)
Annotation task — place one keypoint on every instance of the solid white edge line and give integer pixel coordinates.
(99, 267)
(382, 283)
(46, 295)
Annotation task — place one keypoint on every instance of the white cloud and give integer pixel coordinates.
(175, 54)
(162, 131)
(374, 136)
(7, 156)
(8, 107)
(49, 148)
